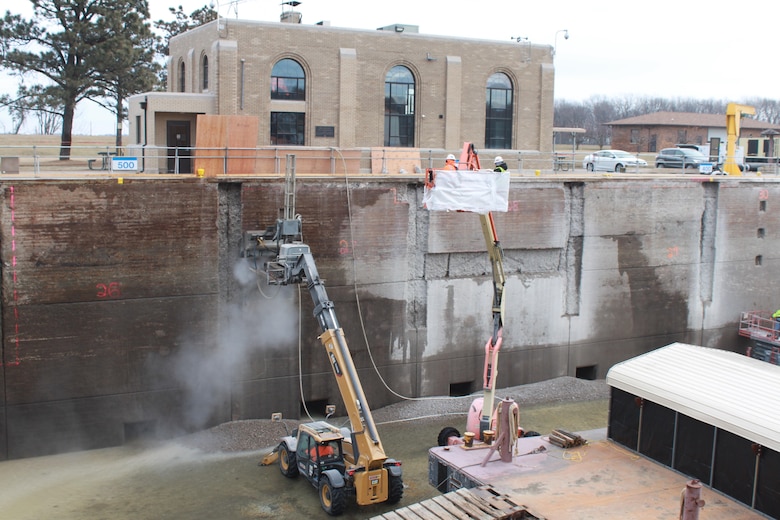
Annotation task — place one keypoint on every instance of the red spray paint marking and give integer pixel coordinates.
(14, 279)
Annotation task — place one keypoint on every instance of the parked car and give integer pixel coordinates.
(682, 158)
(611, 161)
(717, 169)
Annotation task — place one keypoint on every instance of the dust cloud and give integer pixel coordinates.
(210, 370)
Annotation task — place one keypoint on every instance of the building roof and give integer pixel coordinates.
(730, 391)
(689, 119)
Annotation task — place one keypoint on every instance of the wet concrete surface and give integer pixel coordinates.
(164, 480)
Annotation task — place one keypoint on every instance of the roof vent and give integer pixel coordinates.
(400, 27)
(289, 15)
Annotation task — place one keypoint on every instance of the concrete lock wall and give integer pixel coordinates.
(128, 311)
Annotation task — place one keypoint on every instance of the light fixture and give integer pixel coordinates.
(399, 28)
(565, 37)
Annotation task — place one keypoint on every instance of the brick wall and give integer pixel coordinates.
(654, 138)
(345, 75)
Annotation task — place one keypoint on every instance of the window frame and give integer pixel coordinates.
(294, 86)
(399, 120)
(204, 61)
(499, 121)
(182, 76)
(299, 124)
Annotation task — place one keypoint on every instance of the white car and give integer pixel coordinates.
(611, 161)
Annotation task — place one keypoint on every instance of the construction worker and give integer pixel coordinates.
(321, 451)
(500, 164)
(449, 163)
(776, 317)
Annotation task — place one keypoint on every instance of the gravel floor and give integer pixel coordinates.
(258, 434)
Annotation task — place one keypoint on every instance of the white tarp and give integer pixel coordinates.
(480, 191)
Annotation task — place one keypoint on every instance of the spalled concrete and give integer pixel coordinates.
(128, 309)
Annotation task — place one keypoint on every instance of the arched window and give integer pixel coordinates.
(288, 80)
(182, 70)
(399, 107)
(498, 112)
(205, 69)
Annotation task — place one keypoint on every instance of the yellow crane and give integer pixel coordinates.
(734, 113)
(340, 463)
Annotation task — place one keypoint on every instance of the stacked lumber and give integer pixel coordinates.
(564, 439)
(481, 503)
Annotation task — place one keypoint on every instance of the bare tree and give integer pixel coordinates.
(48, 123)
(594, 113)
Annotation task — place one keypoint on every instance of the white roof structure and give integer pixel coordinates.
(727, 390)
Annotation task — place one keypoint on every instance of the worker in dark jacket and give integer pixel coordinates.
(500, 164)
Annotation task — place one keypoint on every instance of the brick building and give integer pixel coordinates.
(323, 86)
(653, 132)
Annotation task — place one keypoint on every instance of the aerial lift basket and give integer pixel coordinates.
(478, 191)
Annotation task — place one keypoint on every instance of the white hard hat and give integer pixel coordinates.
(450, 157)
(498, 159)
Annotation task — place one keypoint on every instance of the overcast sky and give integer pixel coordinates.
(703, 50)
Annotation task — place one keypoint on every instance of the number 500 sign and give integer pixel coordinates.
(124, 163)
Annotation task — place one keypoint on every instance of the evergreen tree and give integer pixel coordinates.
(67, 45)
(127, 62)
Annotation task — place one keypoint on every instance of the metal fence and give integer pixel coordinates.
(45, 159)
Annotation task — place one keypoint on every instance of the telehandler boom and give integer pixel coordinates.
(339, 462)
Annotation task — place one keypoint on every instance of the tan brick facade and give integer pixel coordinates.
(345, 76)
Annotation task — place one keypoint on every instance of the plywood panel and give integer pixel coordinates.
(395, 160)
(226, 144)
(241, 143)
(210, 141)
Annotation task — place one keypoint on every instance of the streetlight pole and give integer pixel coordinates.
(565, 37)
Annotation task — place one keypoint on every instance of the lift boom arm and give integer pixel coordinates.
(470, 158)
(370, 452)
(734, 113)
(493, 344)
(363, 467)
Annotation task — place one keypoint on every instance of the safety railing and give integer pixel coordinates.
(760, 325)
(270, 160)
(43, 159)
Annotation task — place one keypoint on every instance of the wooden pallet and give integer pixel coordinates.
(481, 503)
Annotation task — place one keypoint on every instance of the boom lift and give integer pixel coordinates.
(734, 113)
(337, 461)
(481, 412)
(763, 328)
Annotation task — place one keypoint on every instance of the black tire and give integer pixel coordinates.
(333, 500)
(618, 168)
(446, 433)
(287, 463)
(659, 165)
(395, 490)
(589, 167)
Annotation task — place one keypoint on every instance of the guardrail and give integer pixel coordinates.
(262, 160)
(40, 159)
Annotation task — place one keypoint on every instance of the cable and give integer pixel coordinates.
(409, 419)
(300, 364)
(259, 288)
(357, 297)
